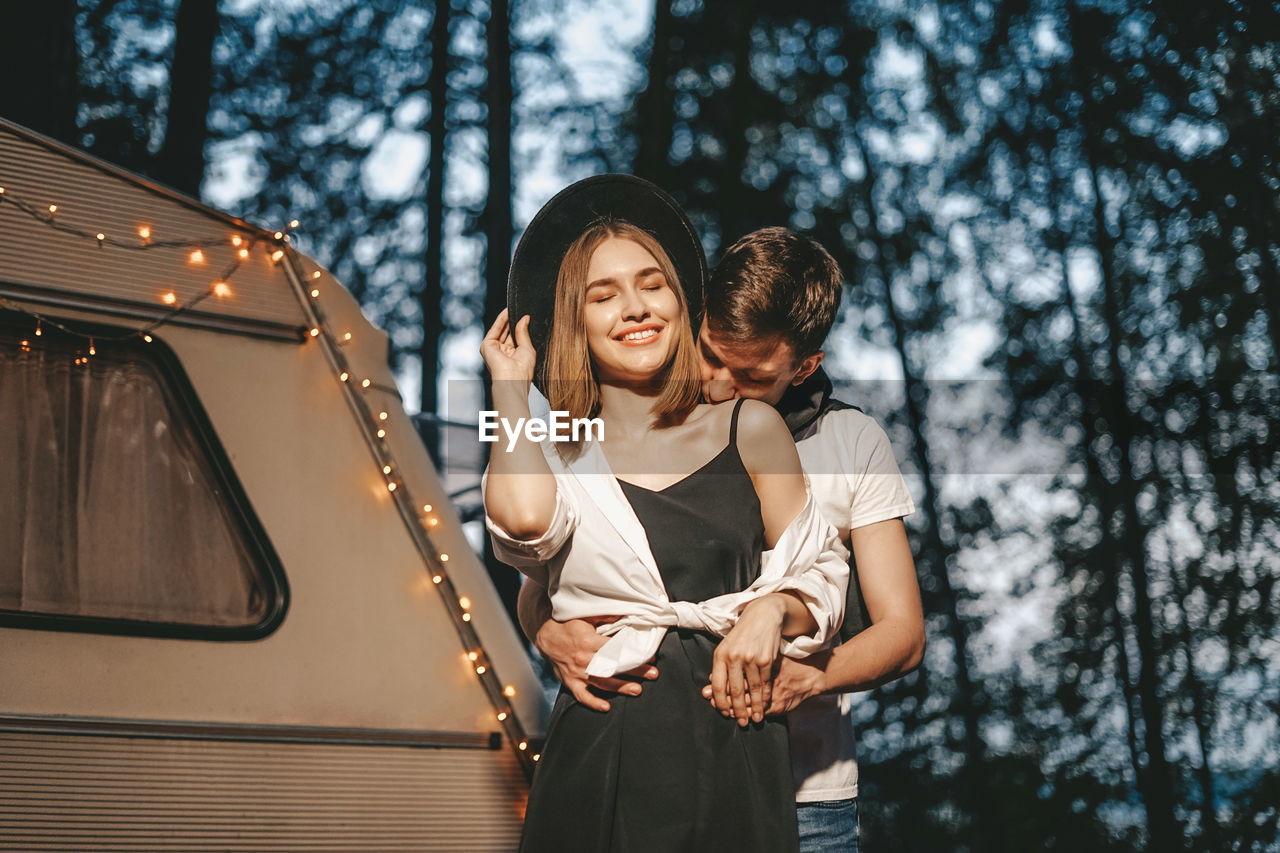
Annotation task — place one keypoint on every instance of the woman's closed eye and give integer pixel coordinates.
(654, 281)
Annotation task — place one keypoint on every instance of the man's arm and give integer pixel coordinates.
(569, 646)
(891, 647)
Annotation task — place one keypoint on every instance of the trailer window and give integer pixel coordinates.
(119, 511)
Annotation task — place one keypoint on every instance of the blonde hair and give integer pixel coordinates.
(568, 373)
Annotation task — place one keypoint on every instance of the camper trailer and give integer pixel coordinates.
(237, 610)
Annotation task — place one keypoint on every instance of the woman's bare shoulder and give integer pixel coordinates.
(764, 442)
(759, 418)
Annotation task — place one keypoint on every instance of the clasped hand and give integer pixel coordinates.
(742, 671)
(742, 667)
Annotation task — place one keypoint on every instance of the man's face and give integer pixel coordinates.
(760, 372)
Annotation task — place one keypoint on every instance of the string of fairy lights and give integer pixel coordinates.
(218, 288)
(360, 393)
(419, 519)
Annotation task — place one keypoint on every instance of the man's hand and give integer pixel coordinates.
(570, 646)
(794, 681)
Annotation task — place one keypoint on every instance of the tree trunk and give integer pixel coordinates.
(935, 551)
(732, 201)
(432, 293)
(180, 163)
(1162, 824)
(40, 66)
(655, 108)
(1097, 485)
(1152, 769)
(497, 221)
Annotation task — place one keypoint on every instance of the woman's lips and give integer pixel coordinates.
(640, 336)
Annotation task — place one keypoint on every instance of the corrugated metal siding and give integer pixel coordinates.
(89, 199)
(68, 792)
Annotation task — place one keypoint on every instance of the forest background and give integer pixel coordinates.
(1058, 220)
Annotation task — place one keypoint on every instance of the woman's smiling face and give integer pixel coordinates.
(630, 312)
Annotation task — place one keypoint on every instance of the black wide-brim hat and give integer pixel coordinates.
(531, 285)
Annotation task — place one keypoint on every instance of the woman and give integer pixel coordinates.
(656, 531)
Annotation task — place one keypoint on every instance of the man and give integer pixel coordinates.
(770, 303)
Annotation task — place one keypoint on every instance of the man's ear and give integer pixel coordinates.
(807, 367)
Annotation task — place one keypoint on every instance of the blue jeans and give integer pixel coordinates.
(828, 827)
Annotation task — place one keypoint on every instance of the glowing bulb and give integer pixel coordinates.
(293, 223)
(169, 298)
(1, 190)
(382, 416)
(537, 755)
(39, 331)
(473, 656)
(196, 257)
(277, 255)
(92, 350)
(220, 288)
(344, 376)
(244, 253)
(100, 236)
(480, 670)
(316, 274)
(426, 507)
(444, 558)
(144, 232)
(437, 578)
(53, 208)
(236, 240)
(386, 469)
(382, 433)
(502, 715)
(391, 487)
(315, 332)
(524, 744)
(433, 522)
(365, 383)
(314, 293)
(147, 338)
(466, 617)
(464, 603)
(508, 691)
(25, 344)
(347, 336)
(279, 234)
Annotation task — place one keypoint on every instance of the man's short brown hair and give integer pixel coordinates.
(774, 282)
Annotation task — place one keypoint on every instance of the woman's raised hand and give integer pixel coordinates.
(508, 352)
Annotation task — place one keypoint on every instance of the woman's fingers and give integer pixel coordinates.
(522, 333)
(738, 693)
(498, 331)
(720, 685)
(756, 687)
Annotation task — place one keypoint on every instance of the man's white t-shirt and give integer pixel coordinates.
(856, 481)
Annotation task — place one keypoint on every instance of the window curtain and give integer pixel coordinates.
(108, 506)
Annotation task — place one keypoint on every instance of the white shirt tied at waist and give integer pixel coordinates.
(595, 561)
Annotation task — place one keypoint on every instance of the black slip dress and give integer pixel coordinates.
(664, 771)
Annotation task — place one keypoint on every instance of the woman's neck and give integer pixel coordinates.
(627, 410)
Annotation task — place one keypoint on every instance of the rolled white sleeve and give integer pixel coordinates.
(809, 561)
(530, 556)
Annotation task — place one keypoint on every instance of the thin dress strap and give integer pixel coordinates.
(733, 422)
